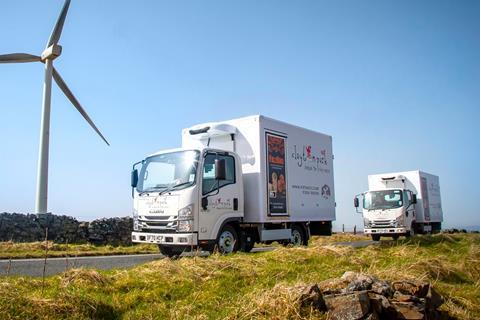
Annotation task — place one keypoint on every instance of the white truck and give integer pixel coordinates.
(233, 184)
(401, 203)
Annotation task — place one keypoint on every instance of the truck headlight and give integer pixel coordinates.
(400, 222)
(186, 213)
(136, 227)
(185, 226)
(367, 223)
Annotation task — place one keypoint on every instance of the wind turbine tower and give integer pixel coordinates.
(51, 52)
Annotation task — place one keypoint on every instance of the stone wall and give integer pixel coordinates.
(31, 227)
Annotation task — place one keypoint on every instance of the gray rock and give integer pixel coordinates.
(383, 288)
(61, 229)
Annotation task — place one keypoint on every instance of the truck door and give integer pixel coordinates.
(410, 211)
(223, 196)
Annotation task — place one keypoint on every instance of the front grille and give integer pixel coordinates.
(155, 217)
(165, 223)
(383, 223)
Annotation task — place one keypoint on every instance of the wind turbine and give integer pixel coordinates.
(51, 52)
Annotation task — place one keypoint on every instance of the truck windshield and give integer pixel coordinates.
(385, 199)
(172, 171)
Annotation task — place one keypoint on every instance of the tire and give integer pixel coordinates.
(375, 237)
(298, 236)
(228, 241)
(412, 231)
(437, 227)
(245, 245)
(170, 252)
(395, 237)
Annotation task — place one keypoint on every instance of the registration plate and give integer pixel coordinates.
(154, 237)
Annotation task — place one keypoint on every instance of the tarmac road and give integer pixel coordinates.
(34, 267)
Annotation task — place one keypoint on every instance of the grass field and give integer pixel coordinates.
(11, 250)
(246, 286)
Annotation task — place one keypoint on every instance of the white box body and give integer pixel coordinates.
(286, 180)
(426, 186)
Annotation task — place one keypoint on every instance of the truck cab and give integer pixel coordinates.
(387, 212)
(183, 197)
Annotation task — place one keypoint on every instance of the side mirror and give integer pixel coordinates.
(204, 203)
(220, 172)
(134, 178)
(356, 203)
(414, 198)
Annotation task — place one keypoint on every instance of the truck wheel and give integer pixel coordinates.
(247, 246)
(170, 252)
(298, 236)
(412, 231)
(375, 237)
(228, 241)
(247, 242)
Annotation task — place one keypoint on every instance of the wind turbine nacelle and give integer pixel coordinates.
(52, 52)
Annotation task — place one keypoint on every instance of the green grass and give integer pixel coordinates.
(246, 286)
(10, 250)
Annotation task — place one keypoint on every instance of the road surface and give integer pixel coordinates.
(34, 267)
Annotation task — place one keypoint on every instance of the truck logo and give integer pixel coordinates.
(308, 160)
(326, 193)
(222, 204)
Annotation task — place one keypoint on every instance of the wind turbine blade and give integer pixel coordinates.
(75, 102)
(57, 30)
(19, 58)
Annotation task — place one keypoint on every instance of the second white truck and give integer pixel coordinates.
(233, 184)
(401, 203)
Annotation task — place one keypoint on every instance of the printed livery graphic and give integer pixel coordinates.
(326, 193)
(222, 204)
(277, 180)
(309, 159)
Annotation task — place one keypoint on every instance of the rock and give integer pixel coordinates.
(349, 276)
(311, 296)
(350, 306)
(414, 288)
(113, 231)
(408, 310)
(379, 303)
(61, 229)
(382, 287)
(332, 286)
(357, 281)
(372, 316)
(433, 299)
(398, 296)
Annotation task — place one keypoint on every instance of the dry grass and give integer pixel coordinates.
(246, 286)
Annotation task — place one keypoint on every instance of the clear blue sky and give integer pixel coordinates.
(396, 83)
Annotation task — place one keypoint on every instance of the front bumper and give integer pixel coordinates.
(385, 230)
(182, 239)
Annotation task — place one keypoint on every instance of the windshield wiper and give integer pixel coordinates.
(152, 189)
(174, 187)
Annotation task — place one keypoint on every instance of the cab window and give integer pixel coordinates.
(209, 183)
